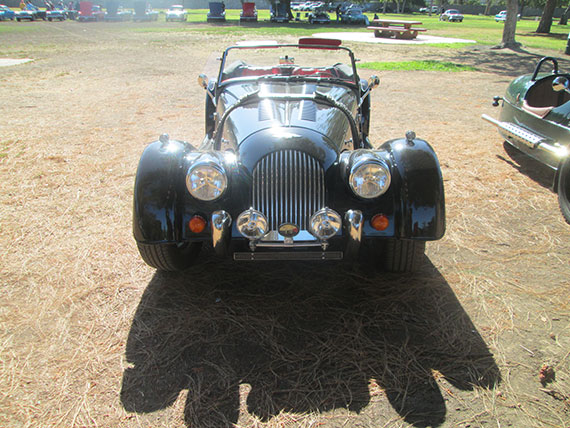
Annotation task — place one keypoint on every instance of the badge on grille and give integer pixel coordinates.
(288, 230)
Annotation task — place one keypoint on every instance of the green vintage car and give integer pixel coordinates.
(535, 119)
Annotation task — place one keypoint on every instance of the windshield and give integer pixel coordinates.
(287, 61)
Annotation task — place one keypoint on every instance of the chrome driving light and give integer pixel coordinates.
(252, 224)
(325, 223)
(206, 180)
(369, 178)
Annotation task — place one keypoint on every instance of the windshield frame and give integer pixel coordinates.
(354, 80)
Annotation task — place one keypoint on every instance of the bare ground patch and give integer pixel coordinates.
(92, 337)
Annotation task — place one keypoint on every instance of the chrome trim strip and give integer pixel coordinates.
(221, 231)
(289, 255)
(353, 222)
(528, 138)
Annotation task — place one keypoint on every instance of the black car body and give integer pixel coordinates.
(535, 119)
(286, 169)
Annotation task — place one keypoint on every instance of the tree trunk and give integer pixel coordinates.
(546, 19)
(488, 7)
(510, 27)
(564, 17)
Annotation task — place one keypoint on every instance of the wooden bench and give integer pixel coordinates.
(397, 32)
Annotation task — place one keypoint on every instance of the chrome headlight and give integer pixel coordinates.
(369, 177)
(252, 224)
(325, 223)
(206, 180)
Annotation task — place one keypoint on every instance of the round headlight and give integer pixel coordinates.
(252, 224)
(206, 181)
(325, 223)
(369, 179)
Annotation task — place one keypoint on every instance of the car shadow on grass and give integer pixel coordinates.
(533, 169)
(262, 339)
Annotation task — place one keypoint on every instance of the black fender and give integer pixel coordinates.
(157, 185)
(417, 175)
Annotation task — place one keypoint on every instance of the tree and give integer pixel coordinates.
(488, 7)
(547, 15)
(564, 17)
(510, 27)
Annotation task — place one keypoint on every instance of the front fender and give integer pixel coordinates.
(420, 187)
(156, 187)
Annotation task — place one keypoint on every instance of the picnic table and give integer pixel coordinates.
(395, 28)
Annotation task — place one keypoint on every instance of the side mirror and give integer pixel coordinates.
(560, 84)
(373, 82)
(203, 81)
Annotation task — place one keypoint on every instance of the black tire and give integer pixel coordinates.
(403, 255)
(169, 257)
(564, 189)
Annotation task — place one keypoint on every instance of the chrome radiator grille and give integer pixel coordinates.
(288, 187)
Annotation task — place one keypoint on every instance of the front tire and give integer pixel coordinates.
(564, 190)
(403, 255)
(169, 257)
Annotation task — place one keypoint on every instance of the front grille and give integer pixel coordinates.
(288, 187)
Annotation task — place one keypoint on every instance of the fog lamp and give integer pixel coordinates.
(380, 222)
(197, 224)
(325, 223)
(252, 224)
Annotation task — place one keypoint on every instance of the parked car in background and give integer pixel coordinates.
(451, 15)
(176, 12)
(144, 12)
(116, 13)
(6, 13)
(56, 15)
(31, 13)
(502, 16)
(279, 13)
(535, 119)
(286, 170)
(89, 12)
(354, 16)
(217, 12)
(319, 17)
(248, 12)
(434, 9)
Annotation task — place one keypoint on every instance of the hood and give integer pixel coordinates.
(286, 117)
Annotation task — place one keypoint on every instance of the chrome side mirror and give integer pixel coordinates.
(560, 84)
(373, 82)
(203, 81)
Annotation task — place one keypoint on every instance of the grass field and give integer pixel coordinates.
(483, 29)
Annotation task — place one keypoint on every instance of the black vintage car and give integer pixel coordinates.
(286, 170)
(535, 119)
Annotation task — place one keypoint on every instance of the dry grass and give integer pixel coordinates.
(90, 336)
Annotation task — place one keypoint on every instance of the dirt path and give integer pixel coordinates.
(92, 337)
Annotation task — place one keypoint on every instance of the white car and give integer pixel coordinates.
(451, 15)
(176, 13)
(502, 16)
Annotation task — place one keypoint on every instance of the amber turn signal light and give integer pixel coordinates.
(380, 222)
(197, 224)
